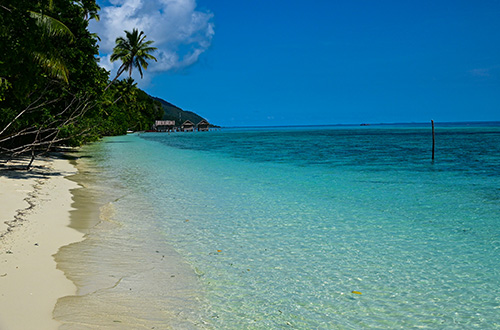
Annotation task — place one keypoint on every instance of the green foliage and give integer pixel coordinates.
(52, 90)
(133, 51)
(50, 26)
(50, 83)
(126, 107)
(4, 86)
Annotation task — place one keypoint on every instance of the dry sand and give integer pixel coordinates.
(36, 206)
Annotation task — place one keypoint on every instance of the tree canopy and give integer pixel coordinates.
(52, 90)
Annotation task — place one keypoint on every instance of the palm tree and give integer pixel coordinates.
(49, 27)
(133, 51)
(50, 60)
(126, 89)
(89, 9)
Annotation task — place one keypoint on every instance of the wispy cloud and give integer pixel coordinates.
(180, 31)
(487, 73)
(480, 72)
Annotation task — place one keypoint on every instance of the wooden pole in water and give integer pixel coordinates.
(433, 139)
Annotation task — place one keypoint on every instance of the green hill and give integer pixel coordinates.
(173, 112)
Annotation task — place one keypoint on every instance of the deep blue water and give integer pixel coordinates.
(284, 227)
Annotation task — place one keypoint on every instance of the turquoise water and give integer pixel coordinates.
(275, 228)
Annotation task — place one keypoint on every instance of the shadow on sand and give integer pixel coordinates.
(17, 168)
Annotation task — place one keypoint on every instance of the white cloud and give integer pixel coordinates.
(179, 31)
(106, 63)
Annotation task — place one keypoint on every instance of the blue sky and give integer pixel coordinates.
(258, 62)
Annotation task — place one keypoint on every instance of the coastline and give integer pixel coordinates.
(127, 274)
(35, 217)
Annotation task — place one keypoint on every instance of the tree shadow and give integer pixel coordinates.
(18, 168)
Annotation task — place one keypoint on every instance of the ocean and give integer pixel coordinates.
(332, 227)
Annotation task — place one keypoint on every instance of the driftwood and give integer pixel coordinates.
(39, 138)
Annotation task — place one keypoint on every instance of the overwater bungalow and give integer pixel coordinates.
(187, 126)
(203, 126)
(164, 125)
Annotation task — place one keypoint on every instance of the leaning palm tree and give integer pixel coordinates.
(133, 51)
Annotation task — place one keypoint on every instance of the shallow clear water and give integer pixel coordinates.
(275, 228)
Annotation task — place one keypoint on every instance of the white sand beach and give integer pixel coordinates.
(34, 219)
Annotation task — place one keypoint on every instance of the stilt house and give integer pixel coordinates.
(187, 126)
(164, 125)
(203, 126)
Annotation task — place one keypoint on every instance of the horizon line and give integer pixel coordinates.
(437, 123)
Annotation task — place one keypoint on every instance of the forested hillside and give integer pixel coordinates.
(172, 112)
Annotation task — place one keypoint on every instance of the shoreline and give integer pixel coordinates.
(126, 273)
(34, 224)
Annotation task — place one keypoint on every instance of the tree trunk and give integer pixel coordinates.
(120, 71)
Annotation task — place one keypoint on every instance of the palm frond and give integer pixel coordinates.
(51, 26)
(133, 51)
(140, 69)
(95, 35)
(54, 66)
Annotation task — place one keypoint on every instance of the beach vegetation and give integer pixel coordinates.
(53, 92)
(126, 107)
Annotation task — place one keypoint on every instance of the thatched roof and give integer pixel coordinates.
(187, 123)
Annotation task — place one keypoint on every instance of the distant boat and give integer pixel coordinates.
(364, 125)
(130, 132)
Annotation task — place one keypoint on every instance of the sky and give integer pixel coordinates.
(277, 62)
